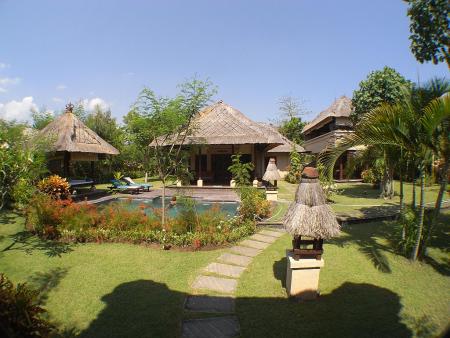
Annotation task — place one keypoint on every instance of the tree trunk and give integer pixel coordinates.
(402, 202)
(415, 252)
(163, 202)
(438, 204)
(413, 202)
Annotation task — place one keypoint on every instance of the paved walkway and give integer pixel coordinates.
(221, 278)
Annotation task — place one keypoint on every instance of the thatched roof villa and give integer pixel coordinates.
(327, 128)
(71, 140)
(221, 131)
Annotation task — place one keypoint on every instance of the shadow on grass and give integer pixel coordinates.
(144, 308)
(44, 282)
(27, 242)
(360, 191)
(365, 236)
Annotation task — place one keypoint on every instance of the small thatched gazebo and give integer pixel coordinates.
(310, 216)
(70, 141)
(272, 174)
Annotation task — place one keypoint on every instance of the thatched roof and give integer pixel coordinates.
(310, 215)
(287, 146)
(271, 173)
(220, 123)
(68, 133)
(341, 107)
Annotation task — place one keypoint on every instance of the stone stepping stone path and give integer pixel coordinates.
(221, 277)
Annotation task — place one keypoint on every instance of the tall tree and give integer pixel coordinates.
(429, 27)
(290, 121)
(169, 121)
(41, 118)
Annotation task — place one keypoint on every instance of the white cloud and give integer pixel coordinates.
(57, 99)
(4, 65)
(61, 87)
(17, 110)
(90, 104)
(8, 81)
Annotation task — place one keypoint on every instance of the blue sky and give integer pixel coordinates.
(254, 51)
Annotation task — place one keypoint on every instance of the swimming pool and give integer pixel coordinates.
(227, 208)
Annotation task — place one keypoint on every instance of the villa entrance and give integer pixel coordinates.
(219, 166)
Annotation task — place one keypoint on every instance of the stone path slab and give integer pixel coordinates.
(271, 233)
(220, 327)
(224, 285)
(246, 251)
(235, 259)
(225, 269)
(262, 238)
(255, 244)
(209, 304)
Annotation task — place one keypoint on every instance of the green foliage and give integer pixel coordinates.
(381, 86)
(240, 171)
(429, 29)
(370, 176)
(295, 167)
(41, 118)
(21, 315)
(254, 205)
(80, 222)
(117, 175)
(21, 162)
(292, 129)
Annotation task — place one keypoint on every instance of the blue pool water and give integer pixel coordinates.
(227, 208)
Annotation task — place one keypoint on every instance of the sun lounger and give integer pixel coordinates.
(131, 183)
(118, 186)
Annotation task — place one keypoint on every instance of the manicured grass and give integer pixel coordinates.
(367, 290)
(360, 199)
(103, 290)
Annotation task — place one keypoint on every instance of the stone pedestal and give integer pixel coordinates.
(200, 183)
(302, 276)
(233, 184)
(272, 195)
(255, 183)
(179, 183)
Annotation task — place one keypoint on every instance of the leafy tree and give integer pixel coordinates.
(290, 123)
(240, 171)
(22, 162)
(168, 122)
(430, 29)
(381, 86)
(295, 167)
(41, 118)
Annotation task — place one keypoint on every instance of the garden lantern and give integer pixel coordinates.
(309, 220)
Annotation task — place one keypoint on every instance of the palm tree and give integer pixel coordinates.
(409, 126)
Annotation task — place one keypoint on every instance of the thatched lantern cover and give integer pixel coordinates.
(271, 174)
(310, 216)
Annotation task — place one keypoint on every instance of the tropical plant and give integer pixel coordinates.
(240, 171)
(54, 186)
(295, 167)
(21, 315)
(414, 125)
(254, 205)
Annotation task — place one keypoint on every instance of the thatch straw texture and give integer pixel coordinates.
(341, 107)
(309, 215)
(68, 133)
(271, 173)
(222, 124)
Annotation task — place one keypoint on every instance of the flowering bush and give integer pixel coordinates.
(371, 176)
(55, 186)
(81, 222)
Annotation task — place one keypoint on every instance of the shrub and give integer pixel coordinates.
(20, 311)
(54, 186)
(371, 176)
(81, 222)
(295, 167)
(240, 171)
(254, 205)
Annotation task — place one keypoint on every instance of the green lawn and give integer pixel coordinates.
(366, 290)
(98, 289)
(360, 199)
(153, 180)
